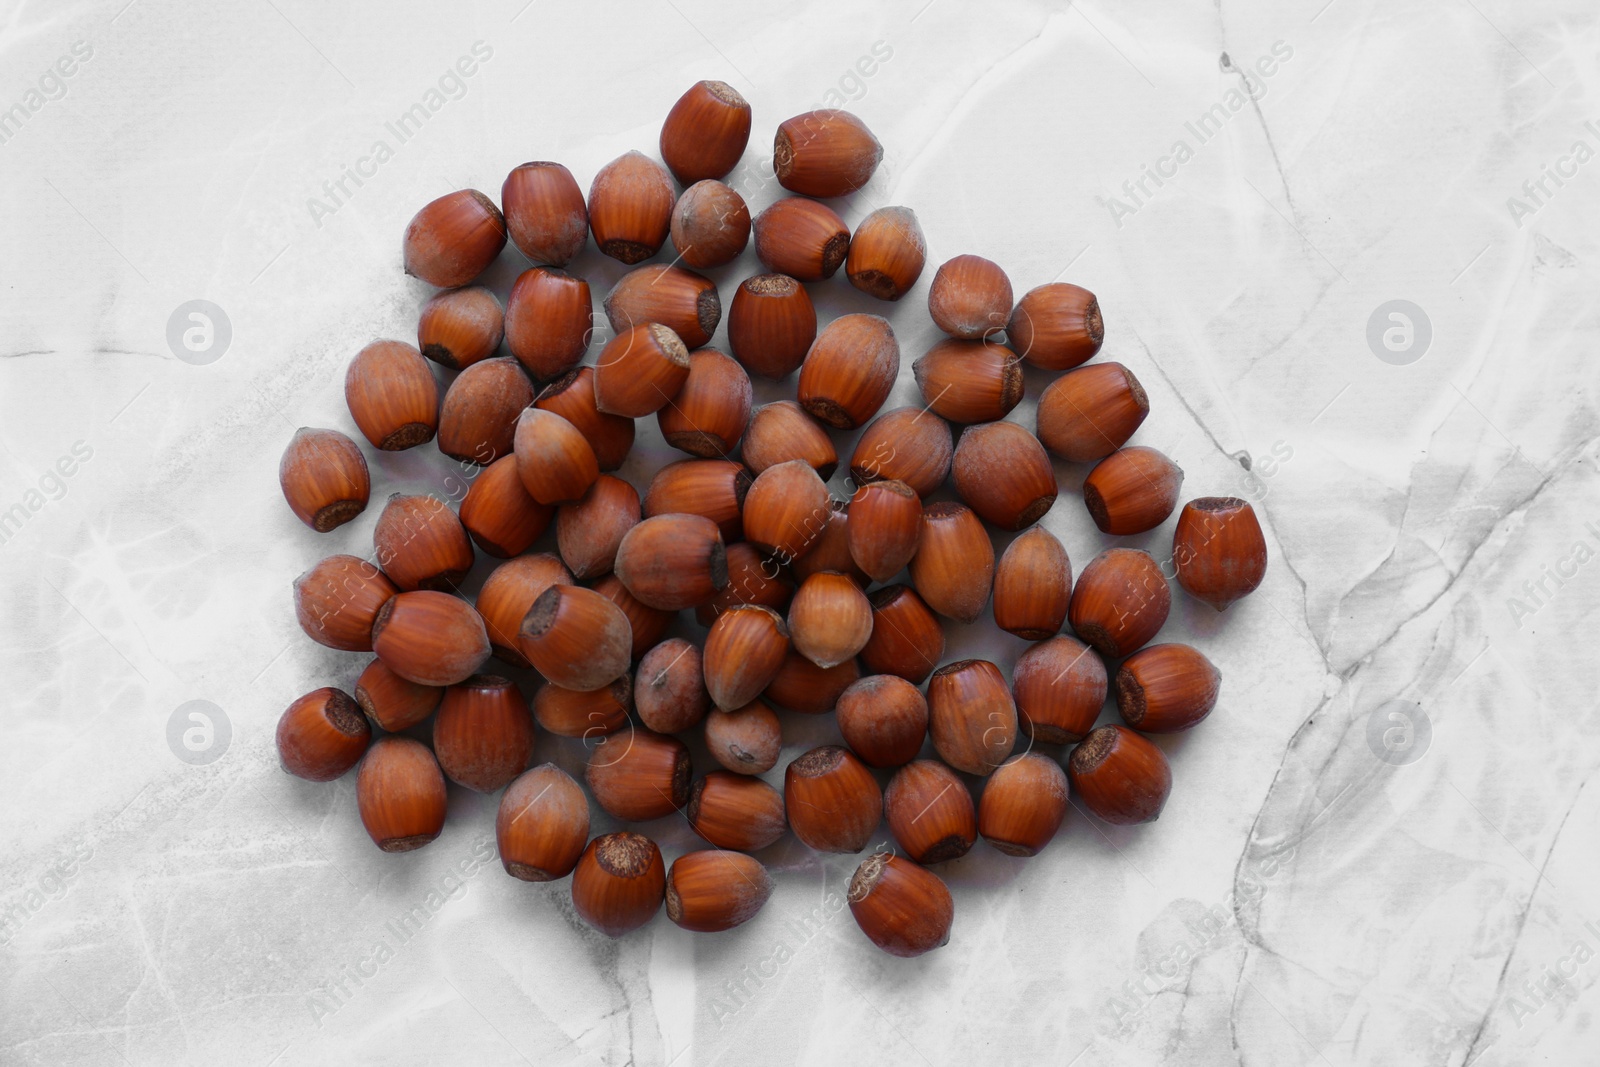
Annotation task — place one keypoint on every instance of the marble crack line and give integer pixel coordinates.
(1522, 920)
(1516, 509)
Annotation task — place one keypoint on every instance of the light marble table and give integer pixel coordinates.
(1377, 851)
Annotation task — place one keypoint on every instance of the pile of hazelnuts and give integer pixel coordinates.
(797, 591)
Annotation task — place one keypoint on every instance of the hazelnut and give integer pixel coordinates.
(713, 890)
(911, 445)
(549, 320)
(669, 688)
(672, 562)
(400, 793)
(685, 302)
(785, 510)
(545, 212)
(710, 488)
(830, 619)
(907, 640)
(630, 207)
(1059, 686)
(746, 740)
(1032, 586)
(904, 909)
(421, 544)
(459, 327)
(590, 531)
(850, 370)
(1023, 804)
(324, 478)
(640, 371)
(576, 638)
(542, 824)
(710, 225)
(1089, 413)
(572, 397)
(883, 719)
(969, 381)
(833, 801)
(393, 702)
(801, 238)
(619, 883)
(1162, 689)
(337, 601)
(1120, 601)
(711, 411)
(499, 515)
(736, 811)
(705, 132)
(321, 735)
(953, 569)
(771, 324)
(637, 775)
(752, 579)
(1056, 326)
(572, 713)
(1001, 470)
(509, 592)
(478, 422)
(831, 550)
(824, 153)
(555, 461)
(1119, 775)
(930, 812)
(649, 624)
(885, 525)
(971, 717)
(744, 651)
(1218, 549)
(782, 431)
(483, 734)
(970, 297)
(392, 396)
(430, 638)
(1132, 490)
(453, 239)
(887, 253)
(802, 686)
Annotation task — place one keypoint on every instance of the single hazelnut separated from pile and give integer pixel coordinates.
(324, 478)
(706, 131)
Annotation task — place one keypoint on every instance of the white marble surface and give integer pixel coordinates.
(1301, 900)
